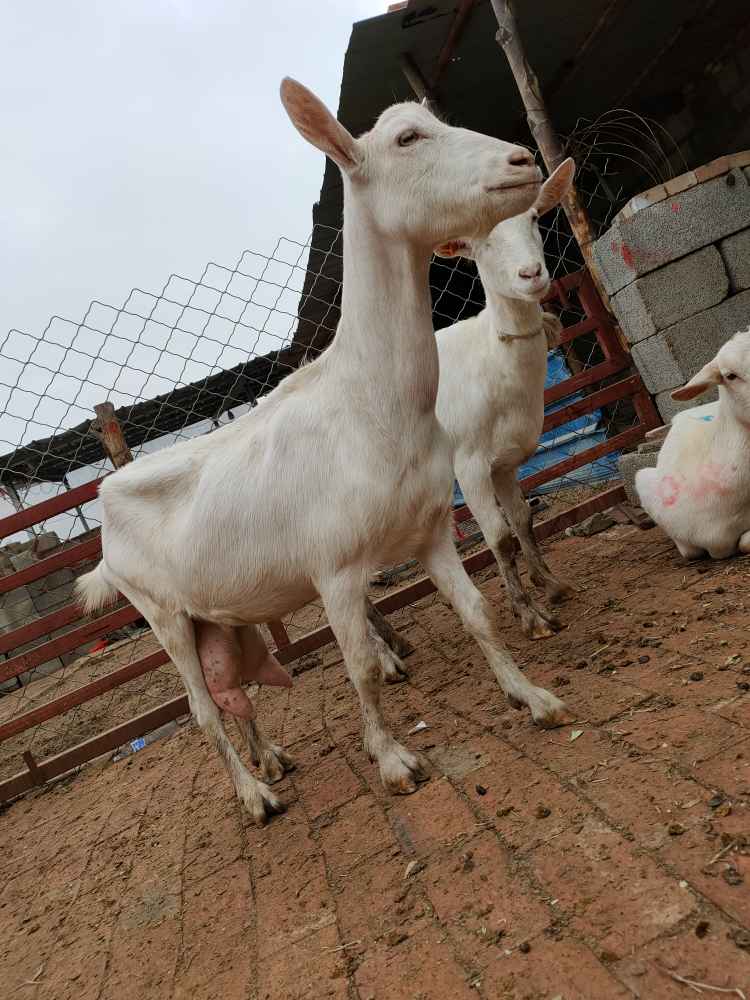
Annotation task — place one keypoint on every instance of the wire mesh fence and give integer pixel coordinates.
(181, 362)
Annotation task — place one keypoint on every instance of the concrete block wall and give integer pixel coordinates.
(24, 604)
(676, 264)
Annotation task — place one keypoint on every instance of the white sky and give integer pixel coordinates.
(141, 138)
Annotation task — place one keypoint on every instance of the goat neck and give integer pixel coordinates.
(385, 341)
(511, 317)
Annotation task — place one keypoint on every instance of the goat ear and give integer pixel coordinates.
(455, 248)
(314, 122)
(709, 375)
(556, 186)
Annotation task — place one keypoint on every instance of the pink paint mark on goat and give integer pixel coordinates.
(711, 481)
(675, 206)
(668, 491)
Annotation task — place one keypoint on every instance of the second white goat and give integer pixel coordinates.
(491, 396)
(699, 492)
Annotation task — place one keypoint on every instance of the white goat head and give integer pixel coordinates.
(422, 180)
(511, 258)
(730, 371)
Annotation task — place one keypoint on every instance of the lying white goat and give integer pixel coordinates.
(342, 468)
(699, 492)
(491, 396)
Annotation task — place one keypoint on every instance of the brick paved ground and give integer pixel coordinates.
(540, 866)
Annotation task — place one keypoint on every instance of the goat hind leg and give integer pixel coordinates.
(478, 489)
(444, 566)
(344, 600)
(256, 663)
(392, 668)
(176, 633)
(512, 500)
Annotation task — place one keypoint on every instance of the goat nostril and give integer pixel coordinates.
(530, 272)
(521, 158)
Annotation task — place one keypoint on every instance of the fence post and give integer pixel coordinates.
(509, 40)
(106, 428)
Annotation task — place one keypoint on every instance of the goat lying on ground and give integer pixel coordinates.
(491, 397)
(699, 492)
(344, 467)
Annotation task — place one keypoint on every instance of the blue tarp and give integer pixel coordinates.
(562, 442)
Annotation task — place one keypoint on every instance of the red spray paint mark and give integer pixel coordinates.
(675, 206)
(627, 256)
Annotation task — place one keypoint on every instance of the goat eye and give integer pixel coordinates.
(730, 376)
(408, 138)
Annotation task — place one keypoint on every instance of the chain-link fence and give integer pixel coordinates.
(181, 362)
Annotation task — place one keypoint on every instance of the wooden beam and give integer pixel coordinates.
(624, 440)
(23, 662)
(59, 706)
(92, 748)
(89, 549)
(48, 508)
(611, 393)
(108, 431)
(509, 39)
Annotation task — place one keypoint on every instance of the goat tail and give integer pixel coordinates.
(94, 591)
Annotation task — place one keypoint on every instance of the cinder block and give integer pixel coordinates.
(669, 408)
(694, 341)
(670, 358)
(628, 465)
(655, 361)
(671, 294)
(673, 228)
(735, 250)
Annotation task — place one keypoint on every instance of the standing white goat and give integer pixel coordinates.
(491, 396)
(342, 468)
(699, 492)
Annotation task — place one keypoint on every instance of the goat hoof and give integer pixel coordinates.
(393, 670)
(548, 711)
(276, 763)
(261, 803)
(540, 626)
(515, 703)
(402, 771)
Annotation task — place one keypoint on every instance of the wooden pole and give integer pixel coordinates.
(106, 428)
(509, 40)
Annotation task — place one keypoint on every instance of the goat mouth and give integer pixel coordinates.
(513, 187)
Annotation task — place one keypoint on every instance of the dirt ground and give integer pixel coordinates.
(608, 859)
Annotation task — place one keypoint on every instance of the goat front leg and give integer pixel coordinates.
(513, 502)
(477, 487)
(176, 633)
(444, 566)
(345, 604)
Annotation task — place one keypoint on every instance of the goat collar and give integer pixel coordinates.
(505, 337)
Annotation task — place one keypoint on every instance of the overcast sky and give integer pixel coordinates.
(146, 136)
(141, 138)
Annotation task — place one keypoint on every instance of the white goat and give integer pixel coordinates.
(344, 467)
(699, 492)
(491, 396)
